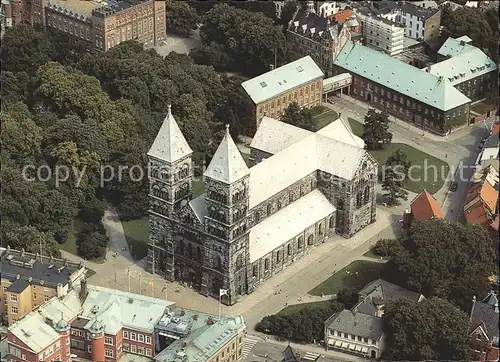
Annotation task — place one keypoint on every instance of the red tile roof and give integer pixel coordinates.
(341, 16)
(425, 207)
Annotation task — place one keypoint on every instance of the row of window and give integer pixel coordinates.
(136, 337)
(353, 337)
(132, 348)
(14, 299)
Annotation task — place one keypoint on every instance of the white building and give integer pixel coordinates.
(383, 34)
(329, 8)
(426, 4)
(419, 23)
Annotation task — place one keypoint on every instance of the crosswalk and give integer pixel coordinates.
(309, 356)
(248, 344)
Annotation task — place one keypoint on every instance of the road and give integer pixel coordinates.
(459, 150)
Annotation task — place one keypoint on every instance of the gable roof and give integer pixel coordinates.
(227, 165)
(342, 16)
(425, 207)
(358, 324)
(399, 76)
(470, 63)
(483, 192)
(169, 144)
(485, 314)
(280, 80)
(453, 47)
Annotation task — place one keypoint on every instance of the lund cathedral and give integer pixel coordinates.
(252, 222)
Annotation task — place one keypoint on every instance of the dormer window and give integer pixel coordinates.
(300, 69)
(263, 84)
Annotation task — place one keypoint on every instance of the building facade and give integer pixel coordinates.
(251, 223)
(420, 23)
(311, 34)
(424, 99)
(300, 81)
(383, 34)
(100, 27)
(29, 280)
(483, 329)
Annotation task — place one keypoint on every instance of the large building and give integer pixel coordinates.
(420, 23)
(360, 330)
(466, 67)
(314, 35)
(425, 99)
(381, 33)
(252, 222)
(105, 325)
(99, 24)
(29, 280)
(300, 81)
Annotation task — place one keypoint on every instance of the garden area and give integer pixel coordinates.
(71, 243)
(430, 175)
(355, 275)
(137, 236)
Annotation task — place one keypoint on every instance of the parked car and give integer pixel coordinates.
(453, 186)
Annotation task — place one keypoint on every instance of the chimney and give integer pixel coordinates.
(462, 42)
(49, 321)
(428, 69)
(271, 66)
(83, 289)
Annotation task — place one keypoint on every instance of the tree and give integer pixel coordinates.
(386, 247)
(443, 259)
(182, 17)
(27, 238)
(399, 160)
(295, 116)
(250, 40)
(430, 330)
(376, 131)
(348, 297)
(24, 49)
(392, 184)
(287, 13)
(93, 212)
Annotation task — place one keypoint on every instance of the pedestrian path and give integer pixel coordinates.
(248, 345)
(310, 356)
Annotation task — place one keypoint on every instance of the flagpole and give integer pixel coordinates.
(219, 304)
(152, 288)
(128, 273)
(140, 286)
(166, 291)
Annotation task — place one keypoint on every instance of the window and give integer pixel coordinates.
(255, 271)
(133, 348)
(133, 336)
(13, 309)
(140, 338)
(125, 335)
(108, 340)
(148, 339)
(126, 347)
(266, 264)
(108, 352)
(46, 298)
(310, 240)
(149, 352)
(13, 297)
(300, 242)
(278, 256)
(289, 249)
(89, 349)
(140, 350)
(268, 209)
(34, 296)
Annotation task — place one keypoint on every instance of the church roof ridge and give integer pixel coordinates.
(169, 144)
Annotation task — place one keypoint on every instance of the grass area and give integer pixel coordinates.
(198, 188)
(137, 235)
(325, 118)
(294, 309)
(367, 272)
(70, 243)
(428, 172)
(482, 107)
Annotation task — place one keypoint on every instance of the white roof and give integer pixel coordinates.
(282, 79)
(117, 309)
(331, 150)
(453, 47)
(272, 136)
(169, 144)
(464, 66)
(67, 308)
(34, 332)
(336, 78)
(227, 165)
(288, 223)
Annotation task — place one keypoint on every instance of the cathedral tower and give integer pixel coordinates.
(226, 203)
(170, 174)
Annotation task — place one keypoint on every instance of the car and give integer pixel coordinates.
(453, 186)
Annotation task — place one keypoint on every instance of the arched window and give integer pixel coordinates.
(198, 253)
(332, 222)
(301, 190)
(239, 262)
(290, 197)
(190, 250)
(290, 249)
(181, 247)
(310, 240)
(359, 199)
(268, 209)
(366, 196)
(266, 264)
(255, 271)
(320, 229)
(218, 262)
(278, 256)
(300, 242)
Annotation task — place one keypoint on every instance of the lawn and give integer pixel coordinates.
(198, 187)
(367, 272)
(137, 236)
(325, 118)
(428, 171)
(295, 308)
(70, 243)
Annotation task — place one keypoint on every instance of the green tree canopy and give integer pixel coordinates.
(430, 330)
(376, 130)
(182, 17)
(302, 118)
(444, 259)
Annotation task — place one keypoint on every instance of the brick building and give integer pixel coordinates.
(314, 35)
(483, 328)
(300, 81)
(422, 98)
(29, 280)
(467, 68)
(99, 24)
(253, 222)
(105, 325)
